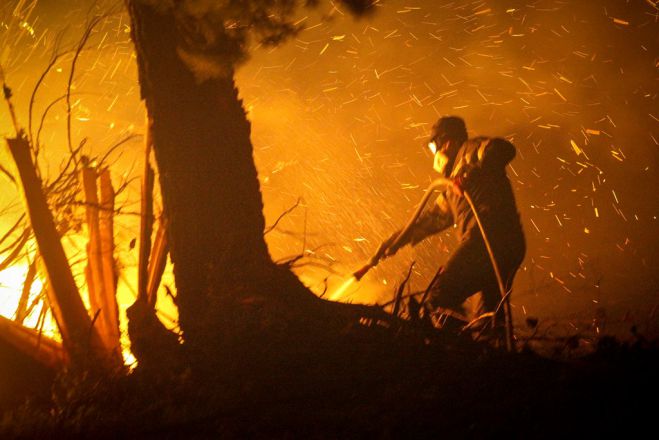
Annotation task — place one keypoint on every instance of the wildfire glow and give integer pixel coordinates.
(11, 286)
(338, 123)
(12, 280)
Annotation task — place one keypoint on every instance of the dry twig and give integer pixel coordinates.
(401, 288)
(283, 214)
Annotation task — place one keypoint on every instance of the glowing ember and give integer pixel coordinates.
(11, 287)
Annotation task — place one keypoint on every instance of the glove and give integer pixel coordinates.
(386, 248)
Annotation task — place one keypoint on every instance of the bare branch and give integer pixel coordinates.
(125, 185)
(17, 247)
(21, 309)
(7, 94)
(13, 228)
(401, 288)
(53, 60)
(319, 263)
(9, 175)
(408, 295)
(72, 160)
(283, 214)
(83, 42)
(291, 259)
(128, 138)
(40, 297)
(43, 118)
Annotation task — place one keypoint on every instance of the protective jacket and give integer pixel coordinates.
(480, 170)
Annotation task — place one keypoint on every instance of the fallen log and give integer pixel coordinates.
(45, 350)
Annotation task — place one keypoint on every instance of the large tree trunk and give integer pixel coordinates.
(211, 194)
(235, 305)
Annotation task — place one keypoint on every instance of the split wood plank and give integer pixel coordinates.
(146, 224)
(102, 292)
(157, 261)
(106, 232)
(79, 336)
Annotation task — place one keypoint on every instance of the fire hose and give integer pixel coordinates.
(374, 260)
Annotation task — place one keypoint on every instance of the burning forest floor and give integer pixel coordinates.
(366, 382)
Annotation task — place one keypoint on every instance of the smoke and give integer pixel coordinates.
(215, 35)
(572, 84)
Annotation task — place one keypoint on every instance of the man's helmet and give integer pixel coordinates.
(449, 128)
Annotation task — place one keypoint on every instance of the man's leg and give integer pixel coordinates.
(489, 300)
(474, 306)
(460, 278)
(480, 309)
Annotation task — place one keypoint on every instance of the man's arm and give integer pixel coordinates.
(431, 222)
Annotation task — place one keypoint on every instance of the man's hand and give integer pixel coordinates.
(386, 248)
(457, 185)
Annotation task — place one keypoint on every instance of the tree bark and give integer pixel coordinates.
(233, 301)
(209, 184)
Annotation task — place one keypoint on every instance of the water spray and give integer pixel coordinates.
(356, 276)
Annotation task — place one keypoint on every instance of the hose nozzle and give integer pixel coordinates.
(359, 274)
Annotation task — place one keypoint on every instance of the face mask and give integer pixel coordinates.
(441, 160)
(439, 152)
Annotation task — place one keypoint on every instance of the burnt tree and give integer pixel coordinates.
(201, 140)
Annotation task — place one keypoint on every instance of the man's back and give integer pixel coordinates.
(481, 167)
